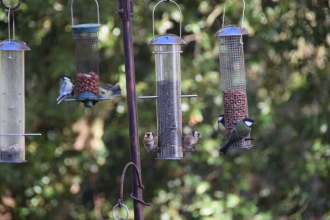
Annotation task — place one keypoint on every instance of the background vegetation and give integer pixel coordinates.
(73, 169)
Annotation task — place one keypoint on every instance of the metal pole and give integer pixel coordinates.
(126, 13)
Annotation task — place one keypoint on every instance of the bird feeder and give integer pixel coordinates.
(233, 80)
(168, 78)
(12, 98)
(87, 60)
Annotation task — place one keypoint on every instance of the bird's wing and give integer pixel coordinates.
(62, 88)
(190, 140)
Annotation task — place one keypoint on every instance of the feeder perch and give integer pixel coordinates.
(12, 99)
(233, 80)
(168, 79)
(87, 60)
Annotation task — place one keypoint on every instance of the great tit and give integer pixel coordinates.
(240, 131)
(108, 90)
(190, 140)
(221, 124)
(150, 141)
(66, 88)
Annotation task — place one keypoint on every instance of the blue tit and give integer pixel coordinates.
(221, 124)
(190, 140)
(240, 131)
(108, 90)
(66, 88)
(150, 141)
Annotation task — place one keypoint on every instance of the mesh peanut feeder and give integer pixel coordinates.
(87, 60)
(168, 78)
(233, 80)
(12, 99)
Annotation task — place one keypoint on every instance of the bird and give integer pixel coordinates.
(108, 90)
(190, 140)
(221, 124)
(66, 88)
(240, 131)
(150, 141)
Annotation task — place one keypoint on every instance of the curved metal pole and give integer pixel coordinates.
(125, 11)
(120, 201)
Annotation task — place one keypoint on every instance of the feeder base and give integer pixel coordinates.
(88, 98)
(170, 153)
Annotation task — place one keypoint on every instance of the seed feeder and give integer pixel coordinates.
(233, 83)
(12, 99)
(168, 79)
(87, 60)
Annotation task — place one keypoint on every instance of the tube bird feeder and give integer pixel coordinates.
(233, 79)
(12, 98)
(168, 79)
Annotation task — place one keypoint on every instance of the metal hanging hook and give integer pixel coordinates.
(9, 25)
(224, 12)
(120, 201)
(11, 8)
(153, 16)
(97, 8)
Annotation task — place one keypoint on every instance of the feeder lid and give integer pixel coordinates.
(231, 30)
(85, 28)
(167, 39)
(13, 45)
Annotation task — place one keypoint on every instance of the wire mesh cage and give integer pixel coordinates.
(233, 79)
(87, 60)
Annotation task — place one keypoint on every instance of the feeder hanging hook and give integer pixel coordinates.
(11, 8)
(224, 12)
(153, 15)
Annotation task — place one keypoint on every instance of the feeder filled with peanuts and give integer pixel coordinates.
(87, 61)
(233, 82)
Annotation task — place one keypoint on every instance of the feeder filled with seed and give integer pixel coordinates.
(12, 97)
(87, 60)
(233, 80)
(167, 50)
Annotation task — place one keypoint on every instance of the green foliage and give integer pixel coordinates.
(74, 168)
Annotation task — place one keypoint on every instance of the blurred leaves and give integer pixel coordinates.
(73, 169)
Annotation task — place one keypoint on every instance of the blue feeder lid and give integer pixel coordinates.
(13, 45)
(85, 28)
(167, 39)
(231, 30)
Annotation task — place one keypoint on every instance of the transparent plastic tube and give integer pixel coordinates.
(169, 120)
(12, 106)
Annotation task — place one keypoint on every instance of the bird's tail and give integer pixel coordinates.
(225, 147)
(60, 99)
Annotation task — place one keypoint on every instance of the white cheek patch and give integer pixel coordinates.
(248, 123)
